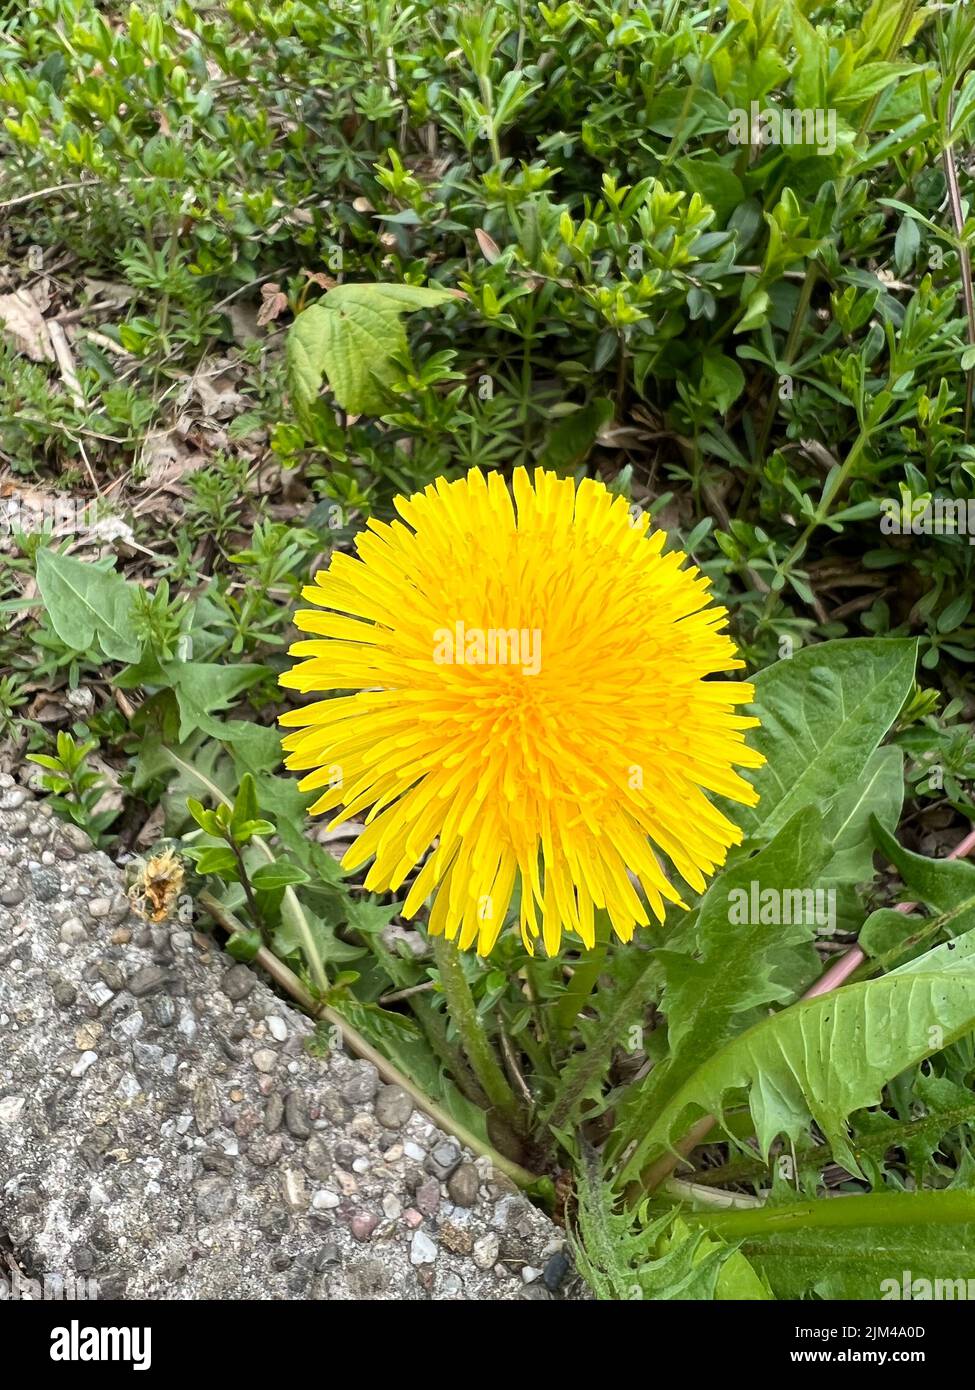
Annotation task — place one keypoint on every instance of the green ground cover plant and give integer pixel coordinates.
(263, 267)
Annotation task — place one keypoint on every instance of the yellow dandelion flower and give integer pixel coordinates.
(528, 706)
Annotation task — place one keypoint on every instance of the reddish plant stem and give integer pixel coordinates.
(842, 969)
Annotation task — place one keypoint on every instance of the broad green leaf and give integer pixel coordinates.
(204, 688)
(943, 884)
(886, 936)
(351, 336)
(721, 379)
(219, 860)
(668, 113)
(895, 939)
(719, 186)
(280, 874)
(147, 671)
(823, 711)
(879, 791)
(741, 959)
(820, 1060)
(87, 604)
(958, 954)
(288, 939)
(256, 749)
(868, 79)
(870, 1247)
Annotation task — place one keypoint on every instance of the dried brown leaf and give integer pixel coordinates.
(273, 303)
(24, 327)
(490, 249)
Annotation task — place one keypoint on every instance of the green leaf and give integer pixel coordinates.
(331, 947)
(755, 313)
(957, 954)
(906, 244)
(369, 916)
(879, 791)
(197, 765)
(280, 874)
(627, 1258)
(257, 749)
(946, 885)
(245, 802)
(668, 113)
(886, 935)
(855, 1247)
(823, 713)
(572, 437)
(736, 958)
(867, 79)
(820, 1060)
(243, 945)
(87, 604)
(719, 186)
(247, 829)
(722, 380)
(351, 336)
(203, 688)
(44, 760)
(954, 614)
(220, 860)
(205, 819)
(737, 964)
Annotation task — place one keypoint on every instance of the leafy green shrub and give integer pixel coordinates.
(777, 325)
(577, 257)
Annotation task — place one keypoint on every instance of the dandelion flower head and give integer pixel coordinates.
(519, 701)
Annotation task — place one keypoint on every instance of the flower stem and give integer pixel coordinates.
(473, 1037)
(874, 1209)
